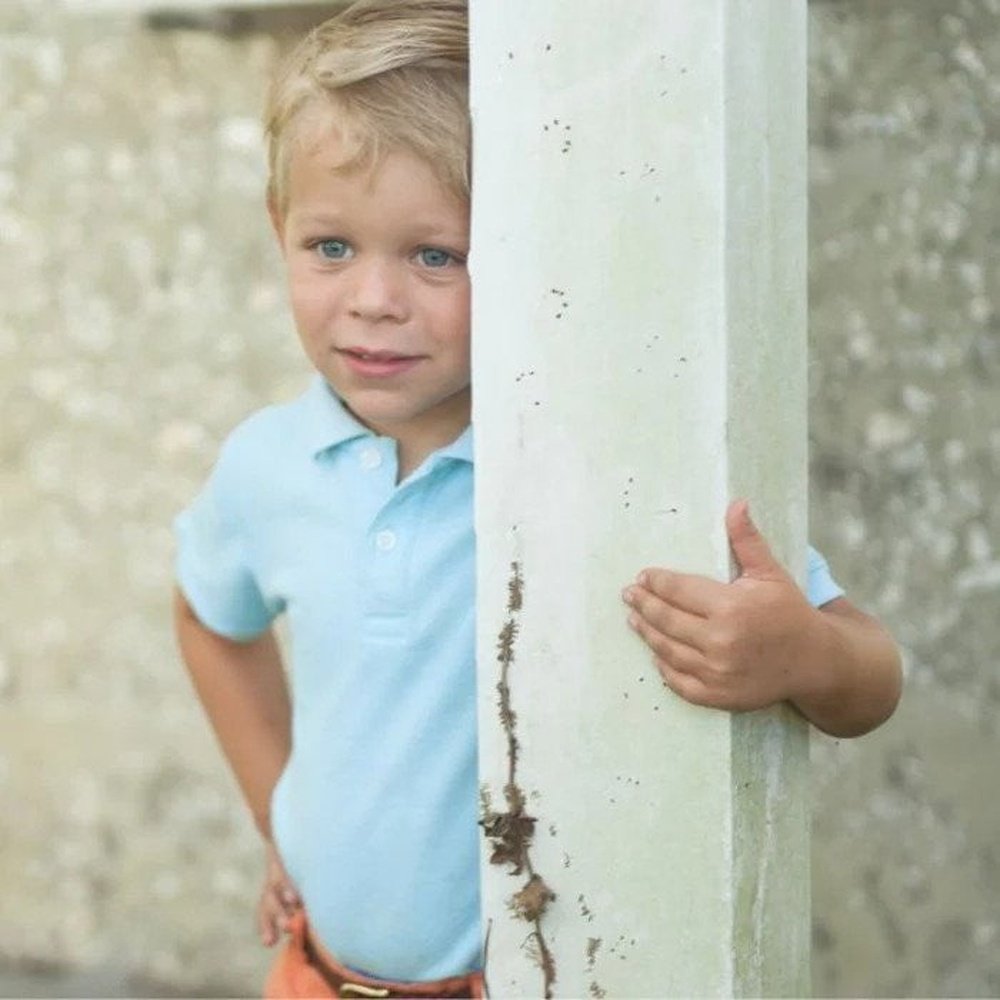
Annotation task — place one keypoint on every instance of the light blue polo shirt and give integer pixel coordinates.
(376, 812)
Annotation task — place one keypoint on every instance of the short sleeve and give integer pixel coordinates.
(213, 562)
(820, 585)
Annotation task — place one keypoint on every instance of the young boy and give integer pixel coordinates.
(350, 509)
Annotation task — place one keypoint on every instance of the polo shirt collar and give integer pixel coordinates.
(461, 448)
(329, 423)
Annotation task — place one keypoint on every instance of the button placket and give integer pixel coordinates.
(392, 535)
(385, 540)
(386, 543)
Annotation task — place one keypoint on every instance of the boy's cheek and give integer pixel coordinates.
(310, 312)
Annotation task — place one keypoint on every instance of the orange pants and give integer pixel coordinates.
(305, 969)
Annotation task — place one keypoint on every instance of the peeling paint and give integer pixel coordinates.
(531, 902)
(512, 832)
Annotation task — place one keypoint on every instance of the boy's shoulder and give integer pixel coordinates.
(268, 437)
(268, 424)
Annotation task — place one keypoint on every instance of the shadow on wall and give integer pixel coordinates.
(289, 21)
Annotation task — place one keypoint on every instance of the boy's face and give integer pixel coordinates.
(379, 288)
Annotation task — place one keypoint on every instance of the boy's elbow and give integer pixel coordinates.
(893, 671)
(875, 681)
(873, 703)
(884, 667)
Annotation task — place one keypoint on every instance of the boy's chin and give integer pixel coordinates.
(383, 417)
(391, 418)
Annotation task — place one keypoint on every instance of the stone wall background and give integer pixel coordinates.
(142, 316)
(905, 423)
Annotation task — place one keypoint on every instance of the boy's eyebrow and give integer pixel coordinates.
(418, 229)
(320, 217)
(310, 219)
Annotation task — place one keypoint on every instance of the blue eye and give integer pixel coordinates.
(433, 257)
(333, 249)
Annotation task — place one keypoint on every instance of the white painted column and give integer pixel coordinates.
(639, 358)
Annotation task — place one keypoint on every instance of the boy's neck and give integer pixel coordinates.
(412, 446)
(419, 437)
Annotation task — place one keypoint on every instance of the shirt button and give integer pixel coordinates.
(385, 540)
(370, 458)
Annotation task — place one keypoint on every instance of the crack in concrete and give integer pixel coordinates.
(511, 832)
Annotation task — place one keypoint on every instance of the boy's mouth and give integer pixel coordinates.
(376, 364)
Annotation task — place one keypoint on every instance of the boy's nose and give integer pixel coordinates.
(377, 291)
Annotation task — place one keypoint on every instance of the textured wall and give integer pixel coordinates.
(905, 422)
(143, 315)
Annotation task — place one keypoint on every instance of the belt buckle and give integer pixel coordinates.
(358, 990)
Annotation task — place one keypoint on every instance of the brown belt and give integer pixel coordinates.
(346, 983)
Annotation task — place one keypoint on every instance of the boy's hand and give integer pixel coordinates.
(737, 646)
(279, 899)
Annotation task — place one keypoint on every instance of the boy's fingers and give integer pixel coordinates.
(274, 912)
(278, 902)
(683, 658)
(265, 925)
(698, 595)
(670, 621)
(704, 690)
(688, 686)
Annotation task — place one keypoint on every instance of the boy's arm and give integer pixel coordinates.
(856, 673)
(758, 641)
(243, 690)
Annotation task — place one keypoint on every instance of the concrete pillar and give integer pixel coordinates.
(639, 358)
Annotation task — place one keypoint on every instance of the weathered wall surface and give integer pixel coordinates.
(905, 422)
(143, 315)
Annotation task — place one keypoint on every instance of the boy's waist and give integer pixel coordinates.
(419, 864)
(346, 983)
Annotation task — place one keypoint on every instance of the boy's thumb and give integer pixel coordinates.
(750, 549)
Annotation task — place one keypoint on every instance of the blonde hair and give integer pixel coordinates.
(389, 74)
